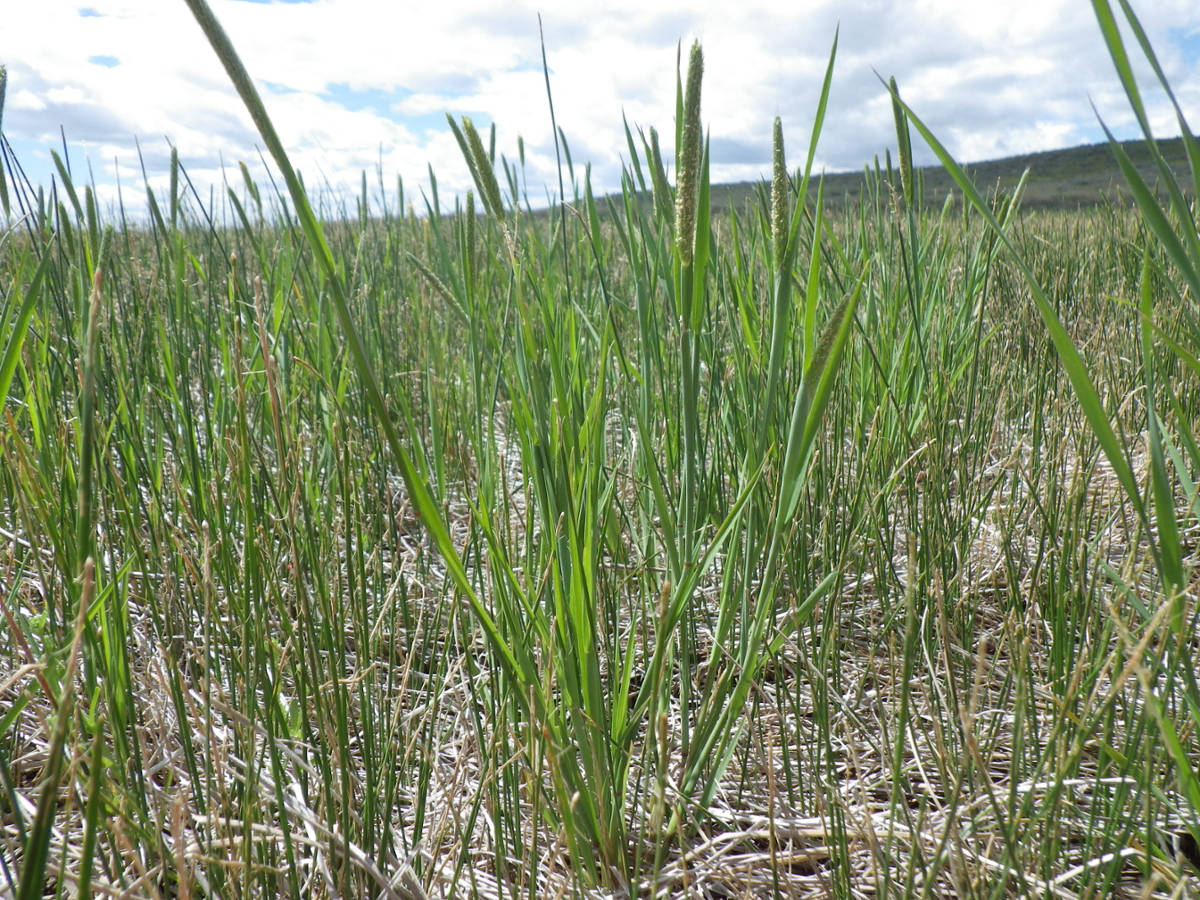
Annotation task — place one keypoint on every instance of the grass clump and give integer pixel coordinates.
(790, 551)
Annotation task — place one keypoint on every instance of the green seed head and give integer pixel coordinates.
(105, 245)
(779, 197)
(3, 87)
(471, 233)
(816, 365)
(687, 183)
(489, 190)
(903, 147)
(174, 185)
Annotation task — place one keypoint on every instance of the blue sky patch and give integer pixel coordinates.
(88, 13)
(1094, 134)
(1188, 44)
(378, 101)
(383, 104)
(109, 62)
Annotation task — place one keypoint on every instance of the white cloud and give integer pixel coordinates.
(352, 84)
(27, 100)
(65, 95)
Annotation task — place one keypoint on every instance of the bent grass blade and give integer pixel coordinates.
(419, 491)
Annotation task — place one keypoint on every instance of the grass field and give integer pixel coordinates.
(796, 550)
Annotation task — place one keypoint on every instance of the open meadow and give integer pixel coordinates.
(419, 549)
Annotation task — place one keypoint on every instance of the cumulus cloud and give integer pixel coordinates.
(359, 84)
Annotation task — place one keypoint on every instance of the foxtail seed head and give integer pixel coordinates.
(174, 186)
(687, 184)
(3, 87)
(488, 188)
(903, 147)
(779, 197)
(471, 233)
(816, 365)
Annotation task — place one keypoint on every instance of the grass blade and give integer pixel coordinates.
(418, 490)
(1161, 489)
(37, 850)
(16, 335)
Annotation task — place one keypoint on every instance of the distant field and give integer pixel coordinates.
(1058, 179)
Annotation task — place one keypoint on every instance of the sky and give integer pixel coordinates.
(356, 85)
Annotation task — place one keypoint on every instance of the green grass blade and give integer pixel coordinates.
(1189, 140)
(68, 184)
(1154, 215)
(419, 493)
(1116, 50)
(812, 397)
(812, 294)
(3, 183)
(818, 124)
(16, 336)
(91, 818)
(1161, 488)
(793, 622)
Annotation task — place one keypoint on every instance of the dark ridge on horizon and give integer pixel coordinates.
(1083, 176)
